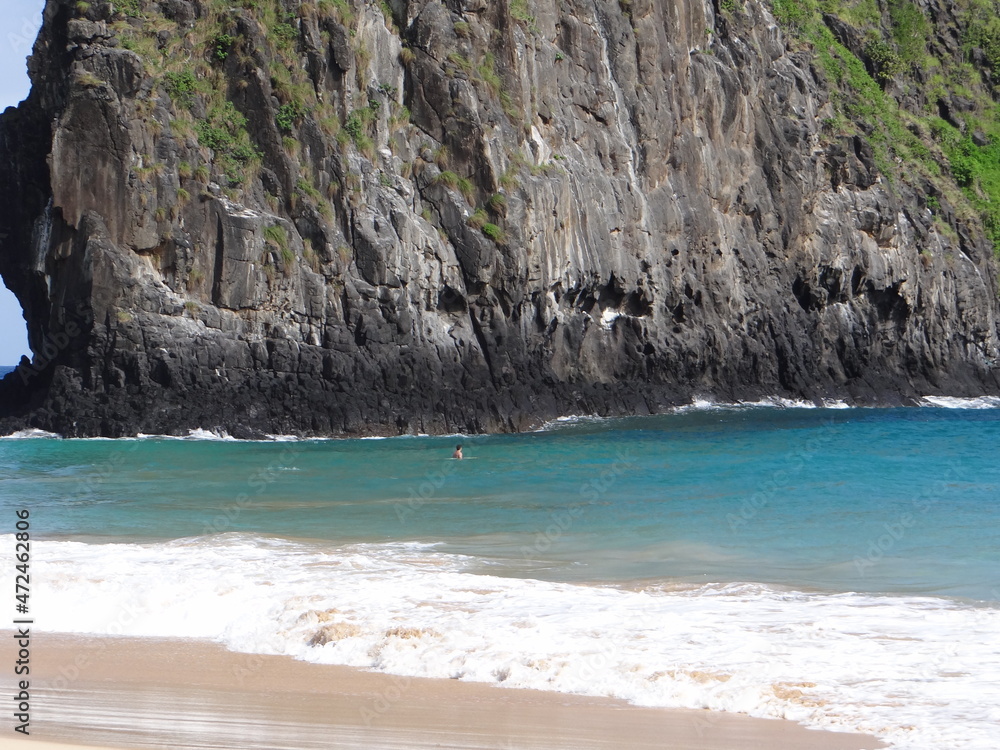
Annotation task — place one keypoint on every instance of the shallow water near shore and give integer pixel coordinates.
(839, 567)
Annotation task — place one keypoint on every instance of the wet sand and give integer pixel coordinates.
(172, 693)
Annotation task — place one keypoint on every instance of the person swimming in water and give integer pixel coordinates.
(458, 452)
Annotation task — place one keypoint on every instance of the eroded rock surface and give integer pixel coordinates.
(662, 217)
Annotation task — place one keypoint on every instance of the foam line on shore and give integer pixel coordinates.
(825, 660)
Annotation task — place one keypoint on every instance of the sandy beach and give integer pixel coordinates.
(158, 693)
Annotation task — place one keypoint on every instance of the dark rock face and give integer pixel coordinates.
(672, 223)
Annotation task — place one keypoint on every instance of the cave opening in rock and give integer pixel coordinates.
(13, 331)
(21, 23)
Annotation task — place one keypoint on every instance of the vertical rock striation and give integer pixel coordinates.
(274, 217)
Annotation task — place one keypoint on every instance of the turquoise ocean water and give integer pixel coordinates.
(839, 567)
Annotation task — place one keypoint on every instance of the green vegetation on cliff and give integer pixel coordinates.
(206, 64)
(238, 86)
(921, 90)
(918, 82)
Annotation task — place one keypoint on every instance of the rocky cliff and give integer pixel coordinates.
(337, 217)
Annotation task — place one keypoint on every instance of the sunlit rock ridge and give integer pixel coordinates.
(275, 216)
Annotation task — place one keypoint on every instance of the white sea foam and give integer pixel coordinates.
(223, 436)
(702, 404)
(200, 434)
(196, 434)
(833, 403)
(403, 437)
(954, 402)
(28, 434)
(771, 402)
(776, 402)
(570, 420)
(920, 672)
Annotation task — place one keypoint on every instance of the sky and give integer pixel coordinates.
(22, 19)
